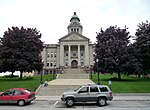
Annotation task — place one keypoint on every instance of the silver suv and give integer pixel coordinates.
(88, 93)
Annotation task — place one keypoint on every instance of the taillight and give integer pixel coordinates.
(29, 96)
(110, 94)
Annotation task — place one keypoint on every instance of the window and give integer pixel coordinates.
(77, 30)
(74, 30)
(82, 62)
(48, 55)
(81, 54)
(66, 64)
(9, 92)
(47, 71)
(71, 30)
(103, 89)
(48, 64)
(51, 64)
(51, 54)
(17, 92)
(66, 54)
(55, 54)
(84, 90)
(74, 54)
(51, 71)
(94, 89)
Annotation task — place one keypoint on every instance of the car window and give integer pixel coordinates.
(94, 89)
(9, 92)
(17, 92)
(103, 89)
(84, 90)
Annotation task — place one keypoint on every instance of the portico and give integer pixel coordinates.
(74, 55)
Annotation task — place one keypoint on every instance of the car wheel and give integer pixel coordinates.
(70, 102)
(101, 101)
(21, 102)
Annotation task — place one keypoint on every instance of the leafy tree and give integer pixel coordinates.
(20, 50)
(112, 50)
(142, 45)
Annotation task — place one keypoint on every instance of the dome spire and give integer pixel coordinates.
(75, 17)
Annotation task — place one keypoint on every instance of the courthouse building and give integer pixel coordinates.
(73, 50)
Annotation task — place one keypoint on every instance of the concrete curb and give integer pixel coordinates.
(37, 90)
(131, 94)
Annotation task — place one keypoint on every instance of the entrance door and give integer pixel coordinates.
(74, 64)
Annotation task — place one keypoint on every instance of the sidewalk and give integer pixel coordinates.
(116, 97)
(73, 78)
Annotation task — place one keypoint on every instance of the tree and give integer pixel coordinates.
(20, 50)
(112, 50)
(142, 45)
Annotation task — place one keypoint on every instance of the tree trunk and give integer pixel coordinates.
(41, 76)
(119, 76)
(139, 75)
(21, 75)
(12, 74)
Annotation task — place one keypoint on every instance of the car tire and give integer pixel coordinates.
(70, 102)
(101, 101)
(21, 103)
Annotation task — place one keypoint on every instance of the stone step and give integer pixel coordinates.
(55, 90)
(70, 82)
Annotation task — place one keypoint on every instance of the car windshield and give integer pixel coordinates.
(77, 88)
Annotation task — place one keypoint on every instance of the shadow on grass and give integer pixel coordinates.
(14, 79)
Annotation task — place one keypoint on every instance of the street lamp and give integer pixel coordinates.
(54, 71)
(97, 60)
(91, 68)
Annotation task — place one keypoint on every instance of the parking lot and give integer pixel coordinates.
(59, 105)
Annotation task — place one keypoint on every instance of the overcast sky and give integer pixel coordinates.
(51, 17)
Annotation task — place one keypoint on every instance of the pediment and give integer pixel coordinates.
(74, 37)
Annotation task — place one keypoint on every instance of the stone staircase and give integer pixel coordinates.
(69, 80)
(73, 74)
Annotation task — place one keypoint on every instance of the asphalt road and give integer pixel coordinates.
(59, 105)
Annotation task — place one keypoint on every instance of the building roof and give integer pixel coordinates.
(74, 36)
(74, 17)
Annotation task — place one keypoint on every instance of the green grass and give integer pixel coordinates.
(126, 85)
(31, 83)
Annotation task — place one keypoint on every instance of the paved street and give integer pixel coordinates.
(58, 105)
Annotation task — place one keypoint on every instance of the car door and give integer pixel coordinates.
(94, 92)
(6, 97)
(83, 94)
(17, 95)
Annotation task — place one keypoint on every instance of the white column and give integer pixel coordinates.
(61, 55)
(69, 53)
(86, 55)
(79, 59)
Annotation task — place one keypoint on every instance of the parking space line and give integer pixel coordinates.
(54, 105)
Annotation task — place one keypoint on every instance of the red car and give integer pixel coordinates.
(21, 96)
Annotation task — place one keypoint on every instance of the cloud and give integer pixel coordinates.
(52, 17)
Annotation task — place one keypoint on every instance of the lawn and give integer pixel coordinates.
(126, 85)
(31, 83)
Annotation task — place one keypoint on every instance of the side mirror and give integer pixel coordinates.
(80, 92)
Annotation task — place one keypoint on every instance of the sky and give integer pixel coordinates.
(51, 17)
